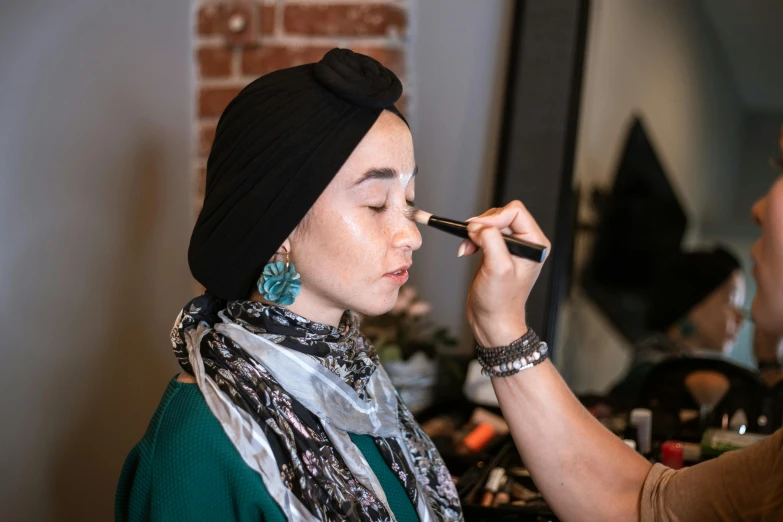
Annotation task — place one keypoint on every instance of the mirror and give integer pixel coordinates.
(682, 106)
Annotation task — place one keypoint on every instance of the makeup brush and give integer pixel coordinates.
(517, 247)
(707, 388)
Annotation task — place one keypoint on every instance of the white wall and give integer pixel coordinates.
(95, 213)
(458, 54)
(660, 60)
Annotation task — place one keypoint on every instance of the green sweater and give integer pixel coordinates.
(186, 469)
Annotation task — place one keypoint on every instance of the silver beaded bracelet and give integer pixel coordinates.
(503, 361)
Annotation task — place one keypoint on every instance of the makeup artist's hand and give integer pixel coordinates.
(502, 284)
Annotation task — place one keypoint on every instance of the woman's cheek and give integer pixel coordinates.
(358, 238)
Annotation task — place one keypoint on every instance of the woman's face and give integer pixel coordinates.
(767, 254)
(718, 317)
(354, 248)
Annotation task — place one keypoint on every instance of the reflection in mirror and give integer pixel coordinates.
(673, 148)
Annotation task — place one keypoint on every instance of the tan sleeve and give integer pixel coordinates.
(734, 486)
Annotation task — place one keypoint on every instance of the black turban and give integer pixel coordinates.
(277, 146)
(692, 277)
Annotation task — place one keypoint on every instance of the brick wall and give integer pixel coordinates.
(237, 42)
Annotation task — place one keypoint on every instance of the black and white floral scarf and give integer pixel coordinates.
(288, 391)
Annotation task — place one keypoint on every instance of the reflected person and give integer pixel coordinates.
(695, 312)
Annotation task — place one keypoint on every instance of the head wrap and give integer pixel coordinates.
(692, 277)
(277, 146)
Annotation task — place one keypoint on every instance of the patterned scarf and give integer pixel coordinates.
(288, 391)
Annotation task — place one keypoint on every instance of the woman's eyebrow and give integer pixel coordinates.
(382, 173)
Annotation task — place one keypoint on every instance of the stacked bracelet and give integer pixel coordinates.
(502, 361)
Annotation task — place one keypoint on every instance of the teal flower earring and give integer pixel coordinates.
(686, 327)
(279, 282)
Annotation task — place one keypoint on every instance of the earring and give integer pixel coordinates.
(687, 328)
(279, 282)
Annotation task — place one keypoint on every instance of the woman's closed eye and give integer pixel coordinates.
(385, 207)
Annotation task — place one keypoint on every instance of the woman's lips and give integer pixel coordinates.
(400, 277)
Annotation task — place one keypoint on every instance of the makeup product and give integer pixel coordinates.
(688, 415)
(519, 472)
(479, 437)
(672, 454)
(641, 419)
(492, 486)
(496, 421)
(517, 247)
(715, 442)
(471, 488)
(738, 421)
(520, 492)
(707, 388)
(504, 495)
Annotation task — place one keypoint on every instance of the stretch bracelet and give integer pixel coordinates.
(505, 354)
(503, 361)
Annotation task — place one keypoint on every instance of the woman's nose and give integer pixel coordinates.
(407, 234)
(736, 318)
(758, 210)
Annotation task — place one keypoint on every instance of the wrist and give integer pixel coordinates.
(503, 361)
(501, 336)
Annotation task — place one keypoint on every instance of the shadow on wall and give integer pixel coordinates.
(127, 372)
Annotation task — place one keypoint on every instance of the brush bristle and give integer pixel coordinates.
(419, 216)
(707, 387)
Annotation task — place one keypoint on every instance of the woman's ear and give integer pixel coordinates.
(285, 247)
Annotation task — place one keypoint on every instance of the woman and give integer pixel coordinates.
(695, 312)
(585, 472)
(284, 412)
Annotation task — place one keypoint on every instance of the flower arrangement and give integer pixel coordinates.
(406, 330)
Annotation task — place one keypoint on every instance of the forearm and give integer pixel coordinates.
(583, 470)
(735, 486)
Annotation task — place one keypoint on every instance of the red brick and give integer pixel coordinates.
(267, 14)
(212, 100)
(344, 19)
(211, 19)
(247, 36)
(206, 136)
(214, 61)
(392, 59)
(265, 59)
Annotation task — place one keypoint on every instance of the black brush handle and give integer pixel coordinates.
(517, 247)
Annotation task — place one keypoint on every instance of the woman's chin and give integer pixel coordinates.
(378, 307)
(757, 312)
(761, 315)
